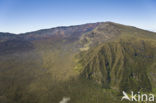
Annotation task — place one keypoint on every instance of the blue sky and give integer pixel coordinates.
(18, 16)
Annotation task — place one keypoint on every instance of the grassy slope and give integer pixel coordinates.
(124, 63)
(120, 61)
(48, 74)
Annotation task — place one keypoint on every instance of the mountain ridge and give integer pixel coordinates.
(80, 62)
(73, 26)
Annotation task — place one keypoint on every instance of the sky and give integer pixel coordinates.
(19, 16)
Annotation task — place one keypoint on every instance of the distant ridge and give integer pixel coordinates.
(109, 22)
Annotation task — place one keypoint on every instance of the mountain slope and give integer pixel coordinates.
(123, 64)
(71, 32)
(6, 36)
(44, 66)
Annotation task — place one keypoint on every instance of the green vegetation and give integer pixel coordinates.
(89, 63)
(122, 64)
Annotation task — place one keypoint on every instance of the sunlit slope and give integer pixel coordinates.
(44, 66)
(124, 64)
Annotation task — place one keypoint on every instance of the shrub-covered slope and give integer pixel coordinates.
(123, 64)
(41, 66)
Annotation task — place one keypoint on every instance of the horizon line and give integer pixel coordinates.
(72, 25)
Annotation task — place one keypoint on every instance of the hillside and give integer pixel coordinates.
(124, 64)
(89, 63)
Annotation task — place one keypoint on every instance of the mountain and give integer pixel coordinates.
(71, 32)
(6, 36)
(122, 59)
(89, 63)
(124, 65)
